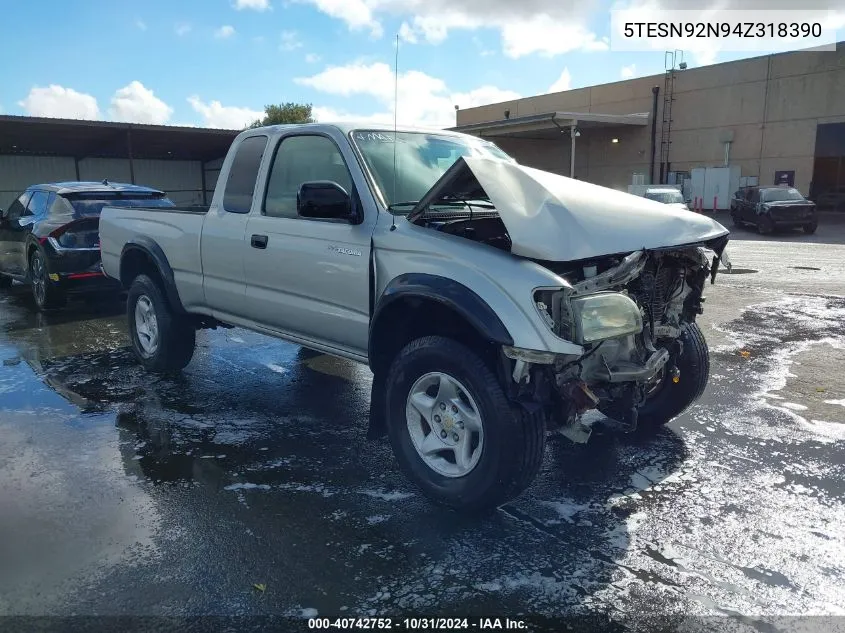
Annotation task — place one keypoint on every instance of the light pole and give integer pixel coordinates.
(573, 134)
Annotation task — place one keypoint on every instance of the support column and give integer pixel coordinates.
(572, 130)
(129, 153)
(202, 177)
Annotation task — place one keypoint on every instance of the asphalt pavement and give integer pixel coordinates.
(246, 485)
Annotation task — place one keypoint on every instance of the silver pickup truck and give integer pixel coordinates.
(494, 303)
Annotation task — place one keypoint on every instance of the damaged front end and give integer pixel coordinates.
(629, 314)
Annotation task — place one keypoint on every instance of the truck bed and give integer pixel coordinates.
(177, 231)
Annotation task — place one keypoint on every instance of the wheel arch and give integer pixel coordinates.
(142, 255)
(407, 295)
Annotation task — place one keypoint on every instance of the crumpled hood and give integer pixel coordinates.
(555, 218)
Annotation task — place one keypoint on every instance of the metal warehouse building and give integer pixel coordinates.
(183, 161)
(778, 118)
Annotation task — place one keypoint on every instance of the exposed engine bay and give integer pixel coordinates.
(630, 312)
(616, 374)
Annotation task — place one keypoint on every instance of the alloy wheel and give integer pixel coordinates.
(445, 424)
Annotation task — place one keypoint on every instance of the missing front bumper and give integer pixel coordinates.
(633, 372)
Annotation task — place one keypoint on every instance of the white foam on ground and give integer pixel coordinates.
(841, 402)
(247, 486)
(386, 496)
(276, 368)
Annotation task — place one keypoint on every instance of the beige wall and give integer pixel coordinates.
(771, 105)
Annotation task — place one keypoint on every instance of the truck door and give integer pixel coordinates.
(223, 243)
(309, 277)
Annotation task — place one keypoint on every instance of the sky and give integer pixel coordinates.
(217, 63)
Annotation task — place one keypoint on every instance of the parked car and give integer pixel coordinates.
(772, 208)
(493, 302)
(667, 195)
(49, 237)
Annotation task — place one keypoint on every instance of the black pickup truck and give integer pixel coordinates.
(771, 208)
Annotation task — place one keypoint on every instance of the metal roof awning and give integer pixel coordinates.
(35, 136)
(551, 124)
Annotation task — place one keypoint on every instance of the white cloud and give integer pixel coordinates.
(137, 104)
(215, 114)
(423, 99)
(183, 29)
(141, 25)
(255, 5)
(224, 32)
(628, 71)
(526, 27)
(357, 14)
(407, 33)
(312, 58)
(57, 101)
(563, 82)
(290, 41)
(546, 36)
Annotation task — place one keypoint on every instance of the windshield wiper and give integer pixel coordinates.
(409, 203)
(444, 203)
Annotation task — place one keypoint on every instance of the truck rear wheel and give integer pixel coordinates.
(162, 341)
(453, 431)
(667, 399)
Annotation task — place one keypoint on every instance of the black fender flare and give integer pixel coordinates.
(447, 292)
(155, 254)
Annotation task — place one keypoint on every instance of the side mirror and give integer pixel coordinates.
(325, 200)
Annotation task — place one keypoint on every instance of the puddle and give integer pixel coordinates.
(804, 268)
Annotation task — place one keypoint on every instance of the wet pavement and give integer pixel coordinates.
(128, 494)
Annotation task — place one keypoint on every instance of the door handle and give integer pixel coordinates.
(258, 241)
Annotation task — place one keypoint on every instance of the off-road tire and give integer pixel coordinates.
(671, 399)
(810, 228)
(45, 294)
(736, 221)
(176, 335)
(514, 441)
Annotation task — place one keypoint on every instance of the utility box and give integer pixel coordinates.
(712, 187)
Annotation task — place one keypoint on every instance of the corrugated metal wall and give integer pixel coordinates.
(97, 169)
(18, 172)
(212, 171)
(181, 179)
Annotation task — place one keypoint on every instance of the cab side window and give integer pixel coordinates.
(18, 208)
(240, 184)
(300, 159)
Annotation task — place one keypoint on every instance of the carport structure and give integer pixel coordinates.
(553, 125)
(184, 161)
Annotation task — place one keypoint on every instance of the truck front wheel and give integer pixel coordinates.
(667, 399)
(162, 341)
(453, 431)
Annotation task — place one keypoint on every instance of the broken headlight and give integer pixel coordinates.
(604, 315)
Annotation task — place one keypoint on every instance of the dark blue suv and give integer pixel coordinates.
(49, 237)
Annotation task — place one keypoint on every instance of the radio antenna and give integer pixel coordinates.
(395, 126)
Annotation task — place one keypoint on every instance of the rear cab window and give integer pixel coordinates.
(243, 175)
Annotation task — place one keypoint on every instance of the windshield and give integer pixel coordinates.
(421, 159)
(666, 197)
(780, 195)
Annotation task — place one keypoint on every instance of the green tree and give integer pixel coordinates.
(285, 113)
